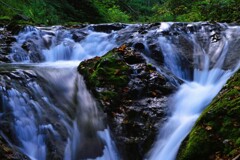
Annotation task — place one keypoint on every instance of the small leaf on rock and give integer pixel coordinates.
(237, 87)
(126, 89)
(208, 128)
(97, 58)
(90, 70)
(117, 71)
(154, 93)
(236, 124)
(6, 149)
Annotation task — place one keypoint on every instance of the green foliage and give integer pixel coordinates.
(162, 14)
(41, 12)
(198, 10)
(110, 11)
(51, 12)
(116, 15)
(37, 11)
(194, 15)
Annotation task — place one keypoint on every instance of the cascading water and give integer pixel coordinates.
(47, 113)
(95, 44)
(192, 96)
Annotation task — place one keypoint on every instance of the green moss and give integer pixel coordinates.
(110, 72)
(238, 141)
(222, 117)
(109, 69)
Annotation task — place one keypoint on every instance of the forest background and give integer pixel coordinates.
(52, 12)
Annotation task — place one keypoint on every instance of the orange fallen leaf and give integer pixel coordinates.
(122, 48)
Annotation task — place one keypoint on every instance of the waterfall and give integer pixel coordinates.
(193, 96)
(47, 112)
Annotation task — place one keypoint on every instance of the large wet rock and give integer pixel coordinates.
(132, 94)
(216, 133)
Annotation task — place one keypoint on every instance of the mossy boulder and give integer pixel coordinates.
(134, 96)
(216, 134)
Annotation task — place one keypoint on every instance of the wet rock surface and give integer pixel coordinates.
(132, 94)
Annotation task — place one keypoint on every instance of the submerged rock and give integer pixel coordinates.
(216, 133)
(132, 94)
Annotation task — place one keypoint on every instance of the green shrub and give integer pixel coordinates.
(116, 15)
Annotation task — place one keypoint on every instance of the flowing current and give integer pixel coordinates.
(49, 113)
